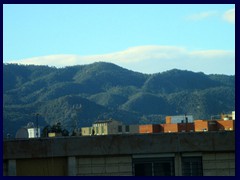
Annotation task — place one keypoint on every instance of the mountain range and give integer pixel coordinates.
(78, 95)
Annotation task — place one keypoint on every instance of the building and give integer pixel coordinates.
(179, 119)
(214, 125)
(166, 128)
(54, 134)
(223, 125)
(150, 128)
(108, 127)
(128, 129)
(185, 127)
(86, 131)
(34, 132)
(179, 123)
(179, 127)
(165, 154)
(228, 116)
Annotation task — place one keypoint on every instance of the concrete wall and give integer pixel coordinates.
(134, 128)
(213, 164)
(219, 164)
(113, 127)
(42, 167)
(104, 166)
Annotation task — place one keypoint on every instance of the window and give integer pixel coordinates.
(163, 166)
(119, 128)
(143, 169)
(192, 166)
(126, 128)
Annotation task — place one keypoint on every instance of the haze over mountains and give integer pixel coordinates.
(76, 96)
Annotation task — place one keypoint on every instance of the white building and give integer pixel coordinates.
(28, 133)
(109, 127)
(33, 132)
(233, 115)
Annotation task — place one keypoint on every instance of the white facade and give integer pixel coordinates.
(109, 127)
(33, 132)
(233, 115)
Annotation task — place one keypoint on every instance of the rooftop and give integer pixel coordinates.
(119, 144)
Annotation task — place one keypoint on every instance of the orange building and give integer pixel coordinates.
(228, 125)
(196, 126)
(214, 125)
(170, 127)
(200, 125)
(168, 119)
(150, 128)
(180, 127)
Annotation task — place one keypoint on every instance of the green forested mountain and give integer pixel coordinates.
(76, 96)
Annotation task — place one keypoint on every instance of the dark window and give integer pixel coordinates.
(163, 169)
(192, 166)
(153, 166)
(119, 128)
(143, 169)
(127, 128)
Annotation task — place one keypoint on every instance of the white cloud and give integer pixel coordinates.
(229, 16)
(150, 59)
(202, 15)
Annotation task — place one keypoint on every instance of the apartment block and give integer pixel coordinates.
(162, 154)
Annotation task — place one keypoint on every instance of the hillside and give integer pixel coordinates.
(78, 95)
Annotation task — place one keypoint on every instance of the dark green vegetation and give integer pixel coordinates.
(78, 95)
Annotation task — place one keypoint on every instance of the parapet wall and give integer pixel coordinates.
(119, 145)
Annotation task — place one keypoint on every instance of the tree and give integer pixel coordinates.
(56, 128)
(46, 130)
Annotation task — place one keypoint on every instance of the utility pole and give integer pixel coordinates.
(37, 124)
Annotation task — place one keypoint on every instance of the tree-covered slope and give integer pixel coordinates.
(78, 95)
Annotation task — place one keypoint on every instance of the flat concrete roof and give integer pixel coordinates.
(126, 144)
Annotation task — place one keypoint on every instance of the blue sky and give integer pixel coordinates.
(144, 38)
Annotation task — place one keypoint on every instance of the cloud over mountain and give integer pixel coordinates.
(149, 59)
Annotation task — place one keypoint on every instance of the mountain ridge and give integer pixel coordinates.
(112, 92)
